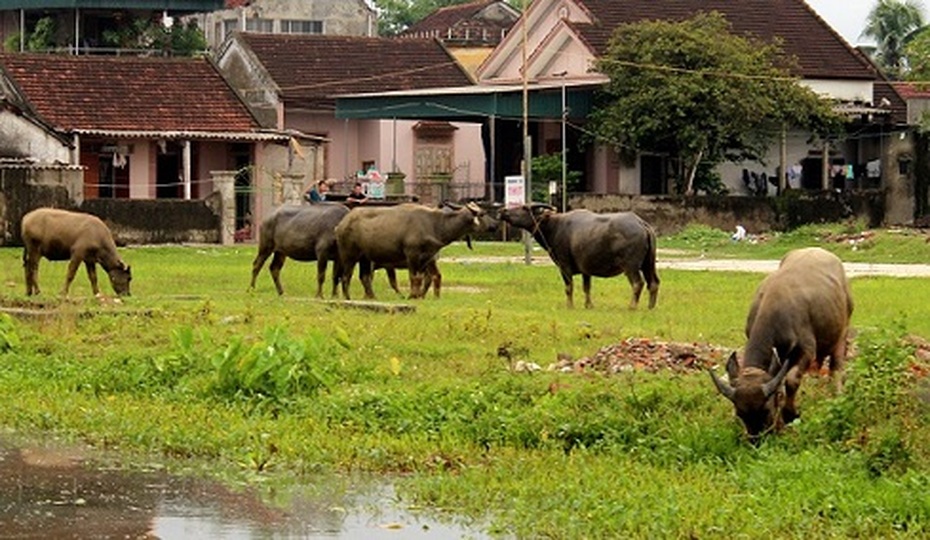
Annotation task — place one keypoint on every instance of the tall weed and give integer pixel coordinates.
(876, 410)
(278, 366)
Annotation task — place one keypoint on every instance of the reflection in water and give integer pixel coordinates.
(54, 492)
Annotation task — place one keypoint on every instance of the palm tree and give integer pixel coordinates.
(891, 23)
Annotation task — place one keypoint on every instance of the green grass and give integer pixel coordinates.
(849, 241)
(194, 367)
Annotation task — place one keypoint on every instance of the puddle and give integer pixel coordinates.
(49, 491)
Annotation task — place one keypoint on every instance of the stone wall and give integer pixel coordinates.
(159, 221)
(670, 215)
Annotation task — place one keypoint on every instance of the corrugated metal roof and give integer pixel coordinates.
(249, 136)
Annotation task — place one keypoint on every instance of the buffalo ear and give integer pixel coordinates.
(732, 367)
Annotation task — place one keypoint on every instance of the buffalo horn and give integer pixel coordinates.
(728, 391)
(475, 209)
(542, 206)
(770, 387)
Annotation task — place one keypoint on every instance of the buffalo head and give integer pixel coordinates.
(120, 276)
(755, 393)
(526, 216)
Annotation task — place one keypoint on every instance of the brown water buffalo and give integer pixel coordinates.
(799, 316)
(601, 245)
(403, 236)
(60, 235)
(303, 233)
(433, 277)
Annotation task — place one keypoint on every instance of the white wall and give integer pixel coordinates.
(22, 138)
(844, 90)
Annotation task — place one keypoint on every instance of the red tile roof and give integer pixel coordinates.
(912, 90)
(459, 21)
(820, 51)
(127, 93)
(311, 69)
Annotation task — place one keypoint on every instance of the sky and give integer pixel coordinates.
(848, 17)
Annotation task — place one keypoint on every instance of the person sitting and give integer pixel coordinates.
(357, 196)
(317, 193)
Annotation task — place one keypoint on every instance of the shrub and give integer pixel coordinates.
(277, 366)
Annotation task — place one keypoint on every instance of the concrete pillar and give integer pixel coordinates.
(899, 179)
(292, 188)
(225, 184)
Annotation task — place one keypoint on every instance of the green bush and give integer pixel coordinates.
(277, 367)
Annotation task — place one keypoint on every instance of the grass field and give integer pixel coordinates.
(195, 368)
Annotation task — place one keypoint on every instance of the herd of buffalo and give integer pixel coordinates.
(799, 316)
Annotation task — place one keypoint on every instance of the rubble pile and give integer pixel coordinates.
(645, 355)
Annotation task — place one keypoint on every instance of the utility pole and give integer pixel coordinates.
(527, 152)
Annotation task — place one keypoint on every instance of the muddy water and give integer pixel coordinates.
(54, 491)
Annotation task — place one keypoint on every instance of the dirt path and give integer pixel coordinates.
(728, 265)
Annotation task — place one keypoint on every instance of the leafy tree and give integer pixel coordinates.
(395, 16)
(548, 168)
(698, 93)
(917, 55)
(892, 23)
(42, 36)
(152, 34)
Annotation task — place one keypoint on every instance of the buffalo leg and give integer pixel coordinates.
(92, 276)
(321, 275)
(838, 363)
(365, 274)
(636, 282)
(569, 286)
(69, 277)
(586, 285)
(392, 278)
(416, 282)
(347, 270)
(277, 263)
(435, 277)
(257, 265)
(802, 361)
(31, 266)
(652, 278)
(337, 275)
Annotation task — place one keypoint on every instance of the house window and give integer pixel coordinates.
(264, 26)
(229, 26)
(292, 26)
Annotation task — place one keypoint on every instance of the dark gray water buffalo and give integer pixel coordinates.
(799, 316)
(303, 233)
(62, 235)
(599, 245)
(403, 236)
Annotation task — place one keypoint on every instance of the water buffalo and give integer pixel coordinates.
(433, 275)
(601, 245)
(403, 236)
(303, 233)
(60, 235)
(799, 316)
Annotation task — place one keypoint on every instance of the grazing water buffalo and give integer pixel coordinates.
(799, 316)
(303, 233)
(60, 235)
(601, 245)
(403, 236)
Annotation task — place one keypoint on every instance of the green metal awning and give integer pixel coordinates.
(470, 102)
(168, 5)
